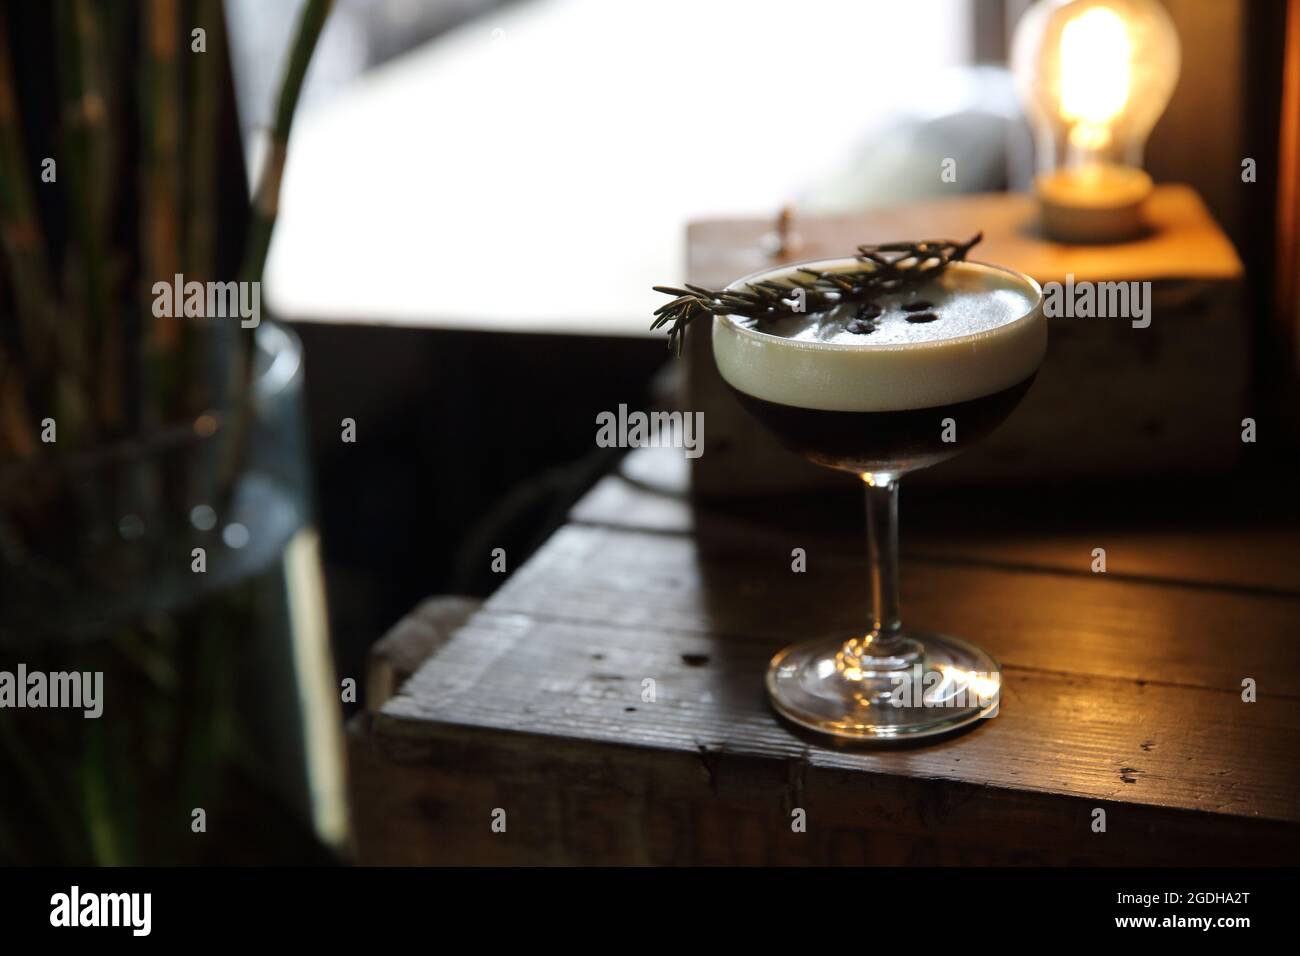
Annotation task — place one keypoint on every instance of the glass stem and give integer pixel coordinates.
(882, 550)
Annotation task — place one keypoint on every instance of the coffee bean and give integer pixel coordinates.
(868, 310)
(920, 305)
(861, 328)
(922, 317)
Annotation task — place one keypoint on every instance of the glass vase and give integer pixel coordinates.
(167, 594)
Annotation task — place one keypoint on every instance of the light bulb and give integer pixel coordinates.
(1094, 75)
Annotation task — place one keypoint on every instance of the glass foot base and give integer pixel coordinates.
(828, 686)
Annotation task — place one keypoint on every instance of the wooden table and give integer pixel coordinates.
(1122, 692)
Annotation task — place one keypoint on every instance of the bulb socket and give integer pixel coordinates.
(1093, 204)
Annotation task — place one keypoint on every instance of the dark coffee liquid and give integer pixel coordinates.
(895, 441)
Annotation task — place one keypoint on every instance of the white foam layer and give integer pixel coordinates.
(991, 334)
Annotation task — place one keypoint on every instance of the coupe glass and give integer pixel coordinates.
(880, 411)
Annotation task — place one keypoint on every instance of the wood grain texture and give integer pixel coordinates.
(1122, 692)
(547, 722)
(1185, 242)
(1093, 625)
(1257, 550)
(410, 642)
(1101, 739)
(430, 800)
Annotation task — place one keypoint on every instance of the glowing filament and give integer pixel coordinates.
(1095, 75)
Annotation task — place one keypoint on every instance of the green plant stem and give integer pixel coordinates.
(60, 821)
(48, 347)
(266, 199)
(102, 823)
(108, 398)
(16, 434)
(204, 118)
(160, 191)
(20, 228)
(82, 109)
(267, 195)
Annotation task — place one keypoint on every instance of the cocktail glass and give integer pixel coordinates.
(880, 410)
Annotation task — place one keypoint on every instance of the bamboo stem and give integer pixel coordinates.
(202, 208)
(266, 199)
(93, 51)
(52, 354)
(16, 438)
(200, 237)
(82, 111)
(160, 191)
(102, 51)
(21, 235)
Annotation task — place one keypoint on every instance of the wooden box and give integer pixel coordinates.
(1110, 399)
(1121, 694)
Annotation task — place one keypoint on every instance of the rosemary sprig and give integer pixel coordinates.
(887, 267)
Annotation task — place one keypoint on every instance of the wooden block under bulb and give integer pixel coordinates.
(1110, 399)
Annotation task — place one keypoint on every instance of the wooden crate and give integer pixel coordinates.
(1122, 692)
(1110, 400)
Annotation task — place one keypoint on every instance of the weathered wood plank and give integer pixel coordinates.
(429, 791)
(1263, 559)
(1105, 739)
(1249, 554)
(1190, 245)
(411, 641)
(1067, 623)
(548, 721)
